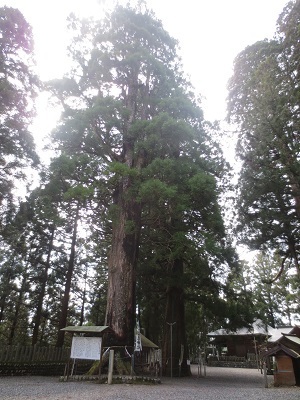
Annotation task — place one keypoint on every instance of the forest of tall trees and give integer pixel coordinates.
(127, 221)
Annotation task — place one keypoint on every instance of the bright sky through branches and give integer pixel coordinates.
(210, 34)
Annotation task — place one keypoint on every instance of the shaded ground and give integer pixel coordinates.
(219, 383)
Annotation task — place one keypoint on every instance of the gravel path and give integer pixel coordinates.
(219, 383)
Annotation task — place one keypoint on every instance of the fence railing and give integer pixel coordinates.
(34, 353)
(250, 357)
(228, 358)
(233, 361)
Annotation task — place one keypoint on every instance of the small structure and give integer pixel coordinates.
(86, 346)
(144, 359)
(285, 353)
(148, 360)
(242, 342)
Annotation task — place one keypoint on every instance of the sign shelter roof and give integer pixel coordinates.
(147, 343)
(88, 329)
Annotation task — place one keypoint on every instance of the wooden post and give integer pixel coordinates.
(160, 363)
(73, 365)
(99, 371)
(265, 375)
(132, 363)
(66, 371)
(256, 354)
(110, 366)
(171, 329)
(204, 360)
(100, 362)
(200, 362)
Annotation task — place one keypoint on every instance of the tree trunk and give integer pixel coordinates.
(44, 279)
(175, 327)
(81, 320)
(17, 311)
(6, 287)
(271, 319)
(65, 301)
(122, 260)
(120, 311)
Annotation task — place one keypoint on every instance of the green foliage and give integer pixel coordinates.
(135, 187)
(276, 301)
(128, 106)
(263, 99)
(18, 89)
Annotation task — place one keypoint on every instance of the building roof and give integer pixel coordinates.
(87, 329)
(292, 338)
(257, 328)
(281, 347)
(289, 343)
(295, 331)
(276, 333)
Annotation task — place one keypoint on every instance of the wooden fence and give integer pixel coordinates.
(233, 361)
(31, 354)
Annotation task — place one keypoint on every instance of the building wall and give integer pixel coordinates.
(284, 371)
(240, 346)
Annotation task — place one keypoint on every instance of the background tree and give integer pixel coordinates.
(44, 235)
(274, 302)
(14, 293)
(18, 89)
(68, 188)
(264, 102)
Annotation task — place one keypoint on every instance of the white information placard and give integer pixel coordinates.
(86, 348)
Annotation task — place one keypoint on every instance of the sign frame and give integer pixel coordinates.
(86, 348)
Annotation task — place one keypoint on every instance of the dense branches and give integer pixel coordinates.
(129, 108)
(18, 88)
(264, 102)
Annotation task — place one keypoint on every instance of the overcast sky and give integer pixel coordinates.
(210, 33)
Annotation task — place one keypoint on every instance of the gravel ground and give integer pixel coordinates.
(219, 383)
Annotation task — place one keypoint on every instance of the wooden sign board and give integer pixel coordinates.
(86, 348)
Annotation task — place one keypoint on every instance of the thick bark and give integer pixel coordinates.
(175, 327)
(120, 311)
(65, 301)
(122, 260)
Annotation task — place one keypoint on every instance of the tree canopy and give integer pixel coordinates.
(128, 105)
(18, 89)
(264, 103)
